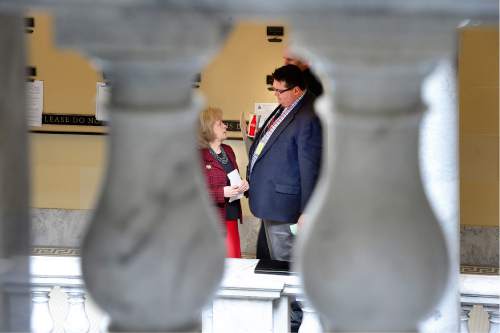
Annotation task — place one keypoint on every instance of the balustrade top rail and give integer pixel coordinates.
(56, 271)
(480, 289)
(239, 275)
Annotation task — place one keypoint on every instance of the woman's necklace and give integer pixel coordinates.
(222, 157)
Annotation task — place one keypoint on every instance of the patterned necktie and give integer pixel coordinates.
(275, 117)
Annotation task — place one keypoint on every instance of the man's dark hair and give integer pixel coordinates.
(291, 74)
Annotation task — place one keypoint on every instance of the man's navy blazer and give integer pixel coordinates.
(285, 173)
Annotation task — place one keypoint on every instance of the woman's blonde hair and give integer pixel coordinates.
(208, 117)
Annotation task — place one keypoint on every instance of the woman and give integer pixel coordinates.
(218, 161)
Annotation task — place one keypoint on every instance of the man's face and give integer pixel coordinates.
(285, 95)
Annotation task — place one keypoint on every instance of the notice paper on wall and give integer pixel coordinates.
(264, 110)
(101, 101)
(34, 102)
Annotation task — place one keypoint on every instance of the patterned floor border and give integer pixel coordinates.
(68, 251)
(55, 251)
(465, 269)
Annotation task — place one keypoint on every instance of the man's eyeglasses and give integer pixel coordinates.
(280, 91)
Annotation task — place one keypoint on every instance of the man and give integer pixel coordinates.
(314, 86)
(285, 158)
(312, 82)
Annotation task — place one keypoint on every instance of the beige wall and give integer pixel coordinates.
(236, 78)
(479, 122)
(69, 78)
(67, 169)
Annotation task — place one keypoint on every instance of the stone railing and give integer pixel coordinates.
(76, 319)
(479, 297)
(375, 55)
(60, 302)
(59, 299)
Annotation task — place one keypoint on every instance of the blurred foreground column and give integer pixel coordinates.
(15, 297)
(154, 252)
(374, 257)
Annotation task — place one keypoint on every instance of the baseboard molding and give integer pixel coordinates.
(71, 251)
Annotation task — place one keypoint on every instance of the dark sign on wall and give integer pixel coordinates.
(232, 125)
(71, 119)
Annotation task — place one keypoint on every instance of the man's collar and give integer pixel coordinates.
(291, 106)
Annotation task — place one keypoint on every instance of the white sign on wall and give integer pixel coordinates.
(101, 101)
(34, 102)
(264, 110)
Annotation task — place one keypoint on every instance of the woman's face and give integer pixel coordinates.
(219, 130)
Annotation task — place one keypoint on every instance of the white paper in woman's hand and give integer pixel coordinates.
(235, 180)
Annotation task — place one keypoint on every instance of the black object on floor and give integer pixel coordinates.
(269, 266)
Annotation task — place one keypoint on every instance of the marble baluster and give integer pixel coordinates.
(15, 295)
(494, 319)
(154, 243)
(464, 318)
(373, 241)
(76, 320)
(41, 317)
(154, 229)
(364, 251)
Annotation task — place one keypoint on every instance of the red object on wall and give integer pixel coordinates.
(252, 126)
